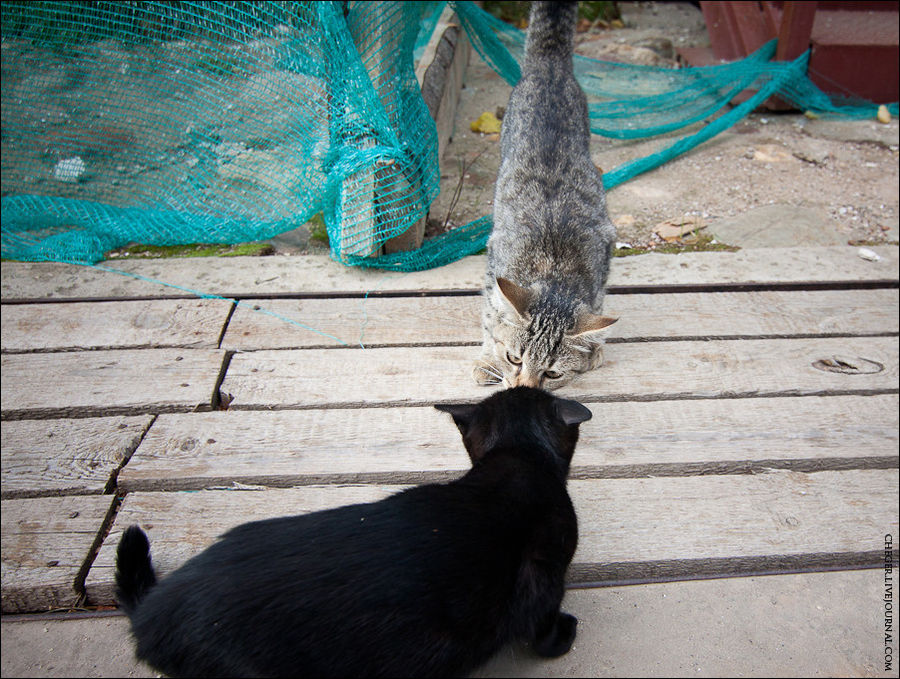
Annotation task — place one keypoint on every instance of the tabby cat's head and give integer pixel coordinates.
(542, 338)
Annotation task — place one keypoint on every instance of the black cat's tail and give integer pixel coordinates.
(551, 30)
(134, 571)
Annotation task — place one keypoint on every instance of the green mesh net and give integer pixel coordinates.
(168, 123)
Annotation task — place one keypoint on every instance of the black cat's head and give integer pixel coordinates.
(521, 417)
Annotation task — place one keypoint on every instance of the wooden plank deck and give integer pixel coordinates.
(103, 382)
(745, 421)
(67, 457)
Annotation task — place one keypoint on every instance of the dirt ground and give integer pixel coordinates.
(839, 177)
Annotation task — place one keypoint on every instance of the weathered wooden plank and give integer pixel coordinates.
(114, 325)
(108, 382)
(393, 321)
(66, 457)
(626, 526)
(376, 321)
(642, 528)
(46, 543)
(411, 445)
(249, 276)
(315, 378)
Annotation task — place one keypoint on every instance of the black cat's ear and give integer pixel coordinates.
(515, 296)
(572, 412)
(462, 414)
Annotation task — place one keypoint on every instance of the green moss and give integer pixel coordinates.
(317, 230)
(516, 13)
(605, 11)
(702, 243)
(871, 243)
(194, 250)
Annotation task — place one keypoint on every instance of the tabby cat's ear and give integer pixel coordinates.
(588, 324)
(515, 296)
(462, 414)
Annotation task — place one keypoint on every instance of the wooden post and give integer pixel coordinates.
(796, 30)
(357, 196)
(379, 194)
(440, 74)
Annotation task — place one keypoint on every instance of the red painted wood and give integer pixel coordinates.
(722, 37)
(750, 23)
(854, 44)
(795, 31)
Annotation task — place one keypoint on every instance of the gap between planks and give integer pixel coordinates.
(672, 288)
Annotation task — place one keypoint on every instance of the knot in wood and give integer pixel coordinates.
(848, 365)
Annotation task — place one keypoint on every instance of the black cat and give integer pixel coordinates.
(431, 581)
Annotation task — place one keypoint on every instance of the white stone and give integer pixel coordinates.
(69, 170)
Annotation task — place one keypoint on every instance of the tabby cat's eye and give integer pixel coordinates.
(515, 360)
(552, 374)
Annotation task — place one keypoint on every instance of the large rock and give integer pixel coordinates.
(779, 226)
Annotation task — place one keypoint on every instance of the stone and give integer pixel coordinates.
(779, 226)
(870, 131)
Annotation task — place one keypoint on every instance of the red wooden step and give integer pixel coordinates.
(854, 45)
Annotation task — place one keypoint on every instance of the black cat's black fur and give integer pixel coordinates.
(431, 581)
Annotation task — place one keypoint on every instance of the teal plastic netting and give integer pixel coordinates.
(168, 123)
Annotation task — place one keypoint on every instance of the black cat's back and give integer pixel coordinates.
(365, 563)
(430, 581)
(361, 561)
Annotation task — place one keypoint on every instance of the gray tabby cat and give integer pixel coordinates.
(552, 241)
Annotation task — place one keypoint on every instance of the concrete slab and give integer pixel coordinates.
(858, 131)
(811, 625)
(780, 226)
(819, 624)
(893, 230)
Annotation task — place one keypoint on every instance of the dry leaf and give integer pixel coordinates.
(487, 123)
(772, 153)
(674, 230)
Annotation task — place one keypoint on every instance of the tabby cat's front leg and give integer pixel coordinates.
(596, 358)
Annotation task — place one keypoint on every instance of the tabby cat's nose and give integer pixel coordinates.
(526, 379)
